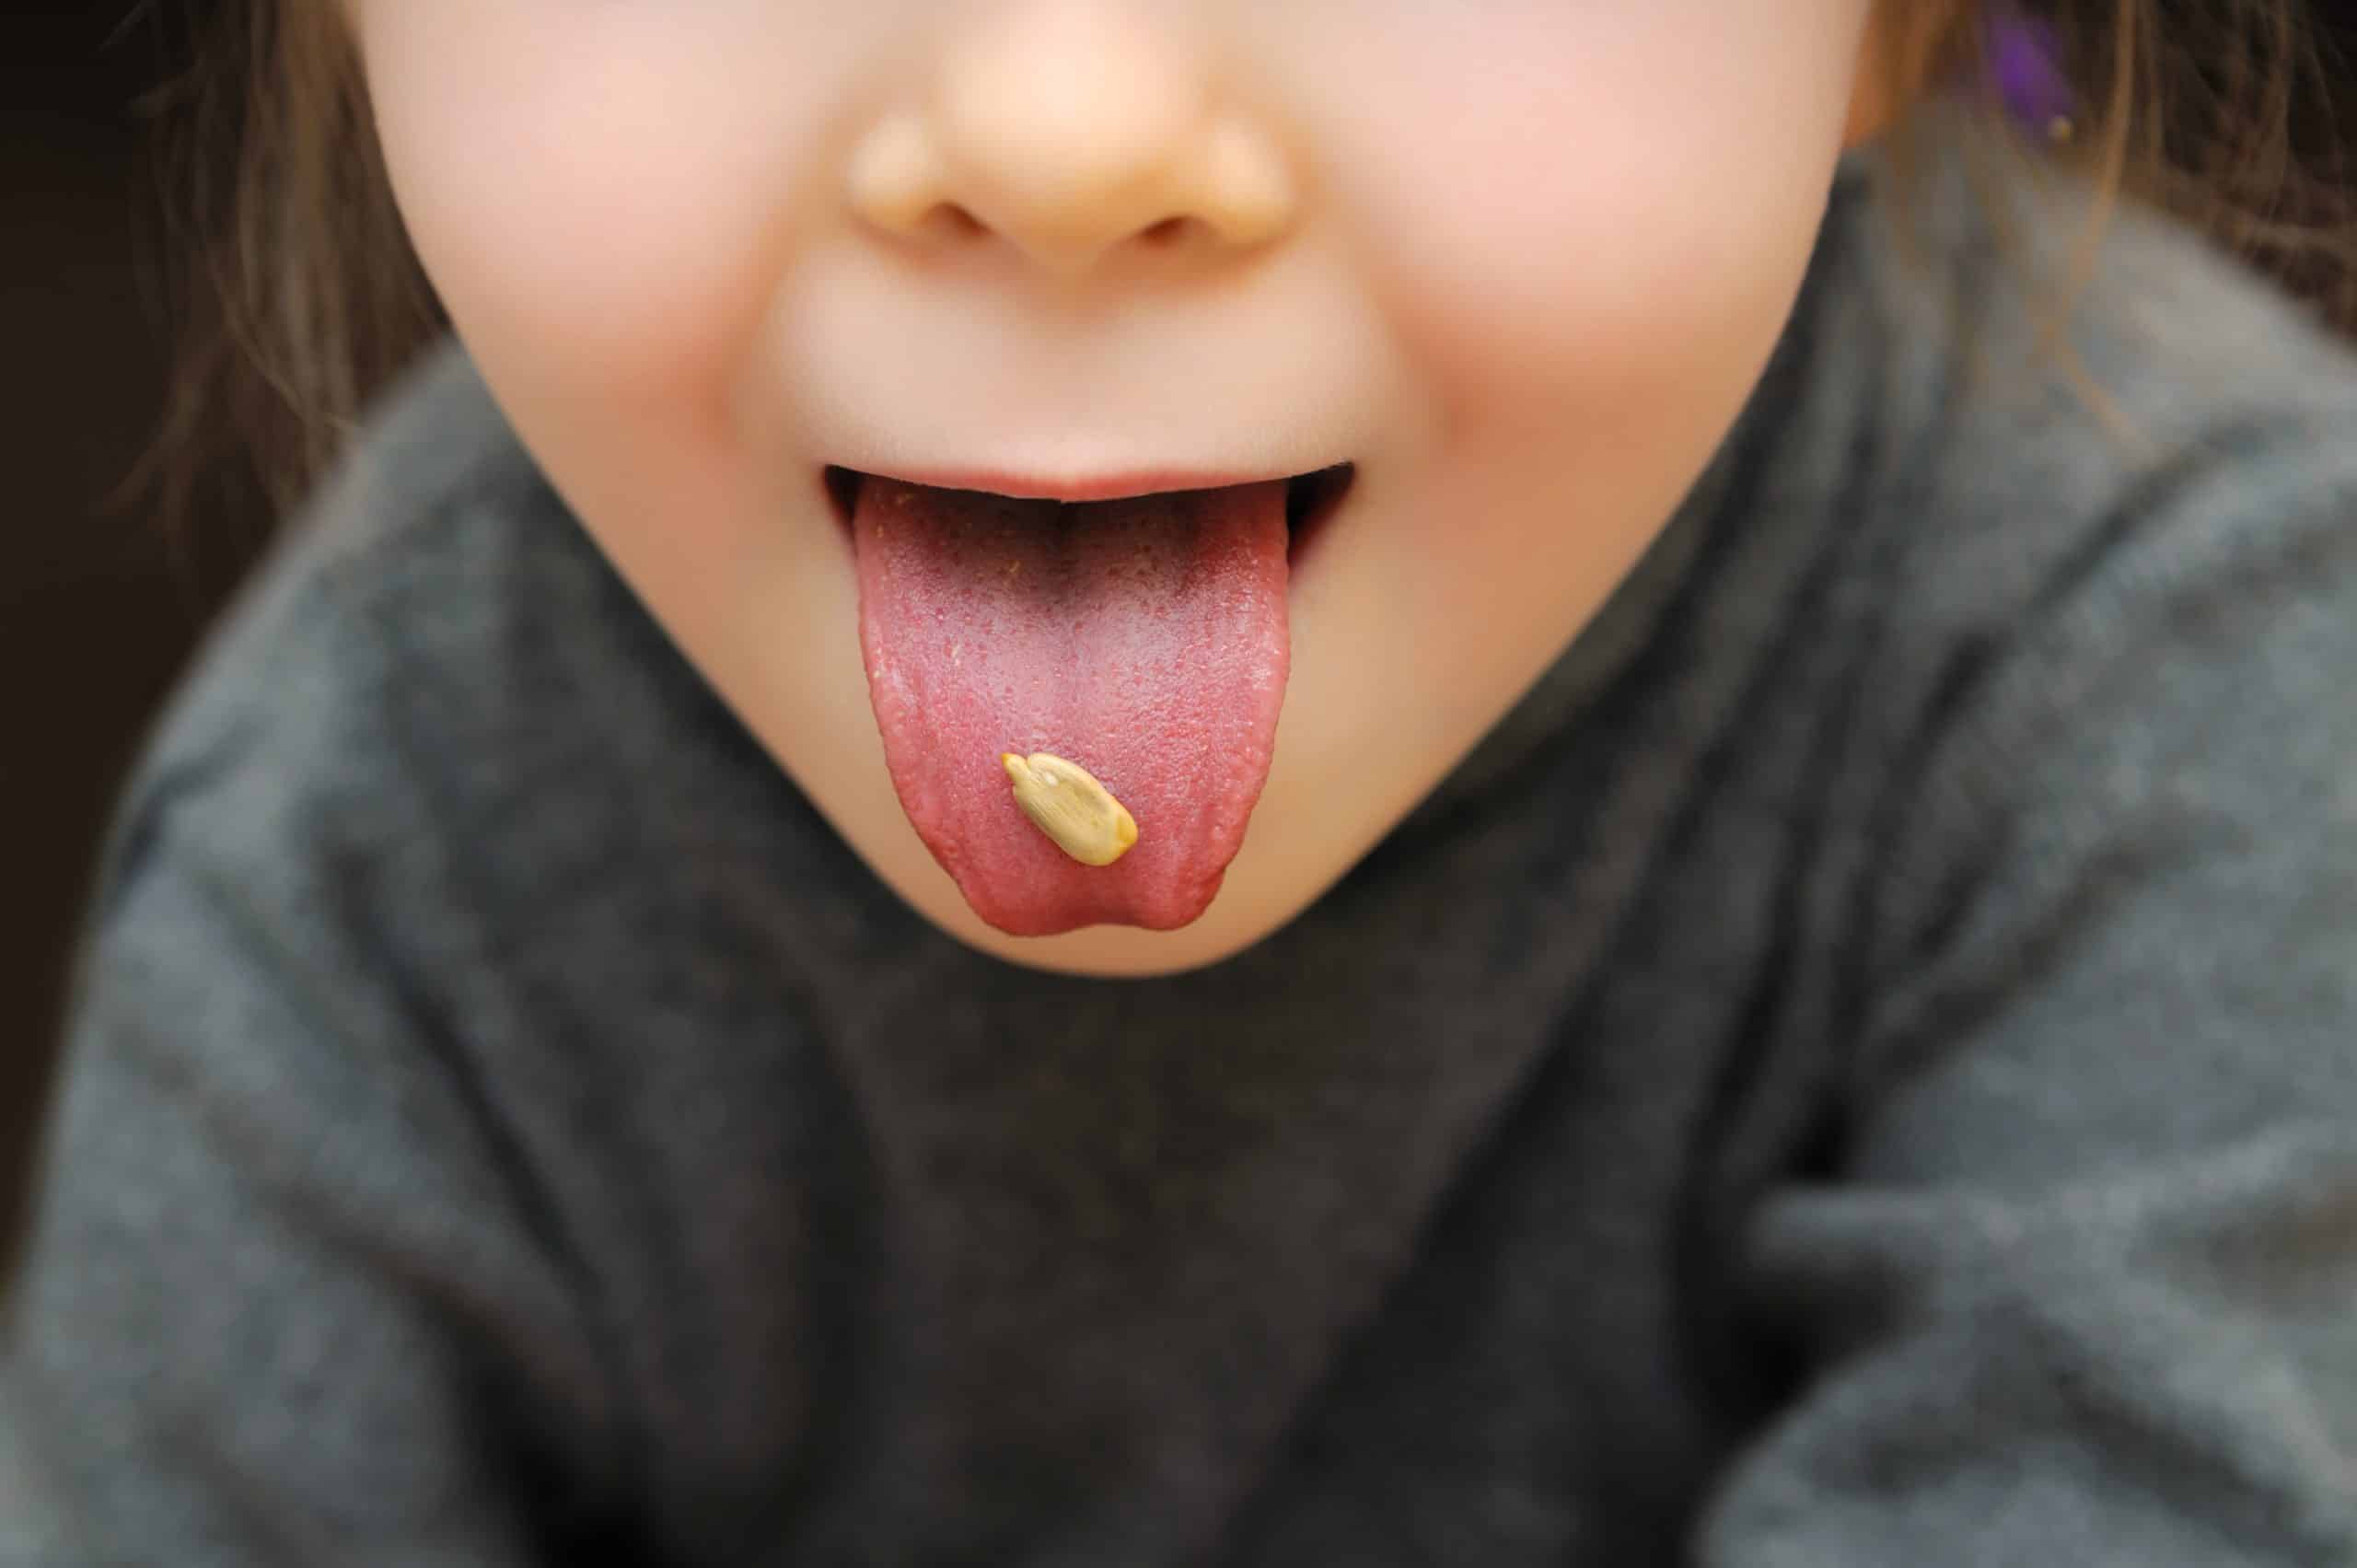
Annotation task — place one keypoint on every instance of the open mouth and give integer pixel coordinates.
(1133, 630)
(1311, 501)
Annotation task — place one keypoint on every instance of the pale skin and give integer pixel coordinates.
(1521, 261)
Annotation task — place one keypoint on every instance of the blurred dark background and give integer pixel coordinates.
(99, 610)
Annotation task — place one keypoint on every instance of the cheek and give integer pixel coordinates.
(595, 195)
(1602, 206)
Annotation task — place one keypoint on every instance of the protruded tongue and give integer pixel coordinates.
(1145, 638)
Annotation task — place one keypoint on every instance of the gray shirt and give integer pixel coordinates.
(1860, 1068)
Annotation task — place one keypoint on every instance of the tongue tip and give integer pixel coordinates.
(1137, 901)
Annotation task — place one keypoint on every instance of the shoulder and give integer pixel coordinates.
(292, 715)
(2035, 396)
(434, 699)
(1994, 495)
(2092, 620)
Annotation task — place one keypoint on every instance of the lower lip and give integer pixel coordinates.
(1311, 504)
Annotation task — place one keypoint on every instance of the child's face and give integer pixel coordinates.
(1521, 261)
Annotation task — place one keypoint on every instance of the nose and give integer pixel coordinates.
(1070, 129)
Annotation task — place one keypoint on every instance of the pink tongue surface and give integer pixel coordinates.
(1145, 638)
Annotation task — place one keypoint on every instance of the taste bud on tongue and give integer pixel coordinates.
(1145, 638)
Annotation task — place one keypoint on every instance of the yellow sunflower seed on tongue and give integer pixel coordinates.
(1065, 802)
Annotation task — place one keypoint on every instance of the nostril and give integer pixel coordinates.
(1167, 232)
(953, 222)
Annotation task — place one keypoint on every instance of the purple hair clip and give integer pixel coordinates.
(2024, 62)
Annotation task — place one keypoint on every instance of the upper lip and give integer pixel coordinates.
(1091, 487)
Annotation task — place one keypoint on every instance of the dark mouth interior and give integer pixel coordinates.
(1310, 498)
(842, 488)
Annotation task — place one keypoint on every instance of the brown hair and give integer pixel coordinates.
(304, 296)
